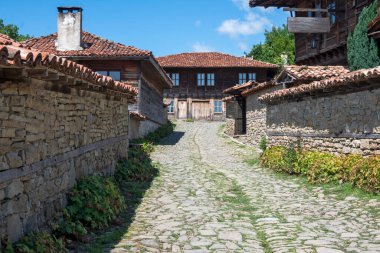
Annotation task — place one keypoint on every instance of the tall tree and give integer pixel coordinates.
(363, 51)
(279, 44)
(12, 31)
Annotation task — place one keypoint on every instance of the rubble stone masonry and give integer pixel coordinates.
(50, 137)
(335, 123)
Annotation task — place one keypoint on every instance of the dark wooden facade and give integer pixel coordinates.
(328, 48)
(197, 102)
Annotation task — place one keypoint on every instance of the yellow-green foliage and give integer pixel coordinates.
(321, 167)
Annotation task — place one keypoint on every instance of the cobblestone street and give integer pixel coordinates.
(208, 199)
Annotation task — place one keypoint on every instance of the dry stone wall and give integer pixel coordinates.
(337, 123)
(50, 137)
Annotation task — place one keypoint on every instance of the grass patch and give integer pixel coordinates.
(264, 242)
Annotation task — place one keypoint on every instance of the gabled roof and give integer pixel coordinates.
(354, 79)
(97, 47)
(210, 60)
(13, 55)
(93, 46)
(272, 3)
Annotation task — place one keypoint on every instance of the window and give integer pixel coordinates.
(211, 79)
(242, 78)
(175, 79)
(332, 6)
(112, 73)
(252, 77)
(218, 106)
(171, 107)
(201, 79)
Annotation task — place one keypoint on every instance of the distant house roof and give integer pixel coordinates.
(355, 80)
(272, 3)
(13, 55)
(93, 46)
(237, 89)
(97, 47)
(210, 60)
(313, 73)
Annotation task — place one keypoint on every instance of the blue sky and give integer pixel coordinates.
(162, 26)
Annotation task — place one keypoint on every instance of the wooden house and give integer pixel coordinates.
(200, 78)
(321, 27)
(123, 63)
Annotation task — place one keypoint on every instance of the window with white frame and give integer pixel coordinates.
(201, 79)
(175, 79)
(211, 79)
(242, 78)
(251, 76)
(171, 107)
(115, 74)
(218, 106)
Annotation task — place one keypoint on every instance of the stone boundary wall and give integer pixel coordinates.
(50, 137)
(335, 123)
(256, 117)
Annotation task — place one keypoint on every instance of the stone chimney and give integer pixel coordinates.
(69, 29)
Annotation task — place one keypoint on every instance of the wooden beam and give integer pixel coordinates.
(305, 10)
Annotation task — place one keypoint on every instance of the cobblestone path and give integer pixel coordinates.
(207, 199)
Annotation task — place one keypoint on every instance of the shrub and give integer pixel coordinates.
(321, 167)
(280, 159)
(362, 51)
(92, 203)
(263, 143)
(41, 242)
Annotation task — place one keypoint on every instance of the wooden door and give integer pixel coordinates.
(201, 111)
(182, 109)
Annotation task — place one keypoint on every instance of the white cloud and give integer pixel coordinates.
(252, 24)
(242, 4)
(202, 47)
(198, 23)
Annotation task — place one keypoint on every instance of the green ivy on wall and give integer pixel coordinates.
(363, 51)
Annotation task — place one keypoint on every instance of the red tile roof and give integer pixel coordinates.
(237, 89)
(94, 46)
(12, 54)
(326, 85)
(260, 87)
(210, 60)
(302, 73)
(137, 116)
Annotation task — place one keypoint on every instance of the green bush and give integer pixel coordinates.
(320, 167)
(93, 203)
(362, 51)
(41, 242)
(263, 143)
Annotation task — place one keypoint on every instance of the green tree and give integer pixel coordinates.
(362, 51)
(12, 31)
(278, 42)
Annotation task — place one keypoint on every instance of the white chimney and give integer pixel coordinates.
(69, 29)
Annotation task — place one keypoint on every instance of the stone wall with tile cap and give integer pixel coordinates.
(50, 137)
(335, 123)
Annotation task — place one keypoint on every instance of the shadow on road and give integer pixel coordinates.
(172, 139)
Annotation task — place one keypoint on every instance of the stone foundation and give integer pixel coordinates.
(51, 136)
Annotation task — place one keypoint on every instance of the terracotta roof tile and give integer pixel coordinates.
(326, 85)
(210, 60)
(12, 54)
(239, 88)
(94, 46)
(260, 87)
(137, 116)
(311, 73)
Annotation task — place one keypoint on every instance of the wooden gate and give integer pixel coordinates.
(182, 109)
(201, 110)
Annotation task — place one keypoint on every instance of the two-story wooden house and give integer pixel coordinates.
(321, 27)
(200, 78)
(123, 63)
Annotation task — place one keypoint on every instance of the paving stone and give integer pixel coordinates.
(185, 209)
